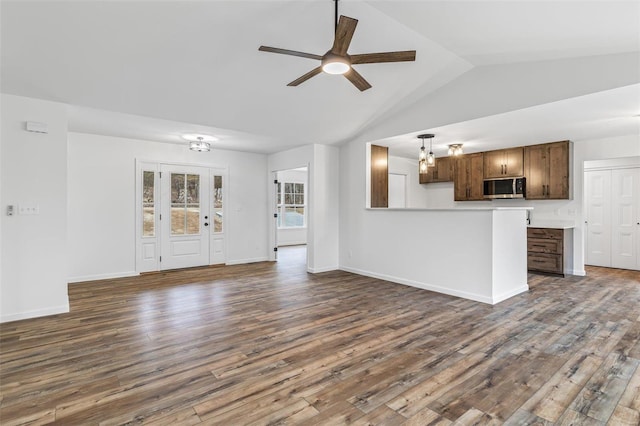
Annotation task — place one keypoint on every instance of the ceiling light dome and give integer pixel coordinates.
(335, 64)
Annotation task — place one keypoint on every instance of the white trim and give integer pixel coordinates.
(411, 283)
(325, 269)
(580, 273)
(508, 294)
(52, 310)
(612, 163)
(251, 260)
(102, 276)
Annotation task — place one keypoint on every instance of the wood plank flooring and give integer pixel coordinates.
(269, 344)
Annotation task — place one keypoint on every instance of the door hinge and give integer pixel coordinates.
(275, 249)
(160, 175)
(275, 181)
(160, 258)
(275, 215)
(160, 217)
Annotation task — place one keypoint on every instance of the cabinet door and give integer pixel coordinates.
(379, 176)
(460, 178)
(535, 170)
(514, 159)
(442, 170)
(494, 164)
(558, 171)
(475, 183)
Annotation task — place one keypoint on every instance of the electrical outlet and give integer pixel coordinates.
(28, 209)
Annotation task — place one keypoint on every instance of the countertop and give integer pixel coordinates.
(555, 224)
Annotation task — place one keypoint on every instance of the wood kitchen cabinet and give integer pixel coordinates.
(467, 182)
(504, 163)
(442, 171)
(545, 250)
(546, 168)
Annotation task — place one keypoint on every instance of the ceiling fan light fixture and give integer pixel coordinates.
(455, 149)
(199, 143)
(334, 64)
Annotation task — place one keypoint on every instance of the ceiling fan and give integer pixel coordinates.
(338, 61)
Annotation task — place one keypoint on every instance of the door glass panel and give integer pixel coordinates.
(217, 204)
(185, 204)
(148, 204)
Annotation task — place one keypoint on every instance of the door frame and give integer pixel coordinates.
(152, 264)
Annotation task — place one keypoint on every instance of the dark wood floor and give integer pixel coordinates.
(270, 344)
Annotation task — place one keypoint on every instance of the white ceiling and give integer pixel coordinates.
(157, 69)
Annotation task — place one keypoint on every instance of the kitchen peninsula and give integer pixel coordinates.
(474, 253)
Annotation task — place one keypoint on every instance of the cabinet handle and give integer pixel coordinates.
(505, 169)
(543, 191)
(501, 169)
(547, 190)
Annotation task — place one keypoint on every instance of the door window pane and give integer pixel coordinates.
(148, 204)
(217, 204)
(185, 204)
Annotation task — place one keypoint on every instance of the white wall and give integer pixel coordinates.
(102, 201)
(34, 173)
(293, 236)
(322, 232)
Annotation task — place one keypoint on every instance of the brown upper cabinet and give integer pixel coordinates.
(379, 176)
(546, 168)
(442, 171)
(504, 163)
(467, 181)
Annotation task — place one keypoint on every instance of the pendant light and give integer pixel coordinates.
(455, 149)
(426, 160)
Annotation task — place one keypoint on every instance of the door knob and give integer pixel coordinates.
(206, 217)
(206, 224)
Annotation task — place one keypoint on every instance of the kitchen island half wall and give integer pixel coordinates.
(478, 254)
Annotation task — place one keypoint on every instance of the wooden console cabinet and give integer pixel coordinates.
(545, 250)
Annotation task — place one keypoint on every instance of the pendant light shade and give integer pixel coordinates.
(426, 160)
(199, 143)
(455, 149)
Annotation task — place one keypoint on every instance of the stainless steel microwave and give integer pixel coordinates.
(505, 188)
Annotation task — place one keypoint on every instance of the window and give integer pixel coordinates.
(148, 204)
(185, 204)
(217, 204)
(291, 205)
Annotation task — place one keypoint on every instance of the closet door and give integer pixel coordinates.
(598, 217)
(625, 200)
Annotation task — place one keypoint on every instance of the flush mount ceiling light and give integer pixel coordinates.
(455, 149)
(426, 160)
(200, 143)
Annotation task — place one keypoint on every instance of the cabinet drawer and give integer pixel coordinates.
(545, 262)
(545, 233)
(544, 245)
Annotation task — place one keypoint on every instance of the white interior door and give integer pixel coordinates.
(184, 216)
(624, 203)
(598, 217)
(397, 191)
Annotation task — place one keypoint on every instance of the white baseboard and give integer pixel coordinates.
(424, 286)
(102, 276)
(509, 294)
(323, 269)
(580, 273)
(243, 261)
(52, 310)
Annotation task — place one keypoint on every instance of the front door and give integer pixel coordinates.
(185, 216)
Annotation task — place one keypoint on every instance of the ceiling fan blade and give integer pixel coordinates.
(289, 52)
(344, 34)
(306, 77)
(373, 58)
(357, 80)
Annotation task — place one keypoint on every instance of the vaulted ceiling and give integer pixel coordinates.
(157, 69)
